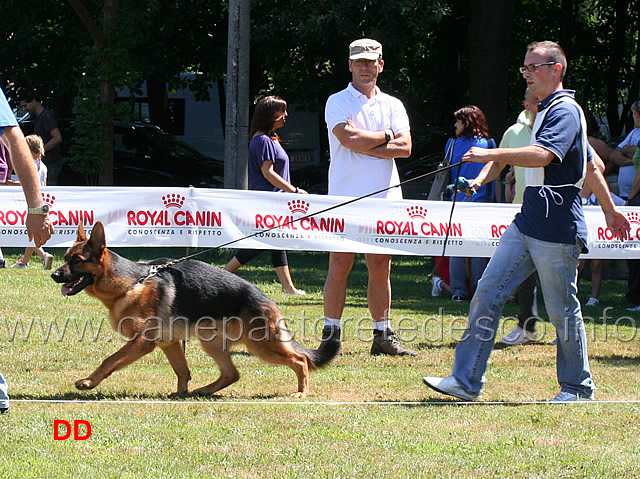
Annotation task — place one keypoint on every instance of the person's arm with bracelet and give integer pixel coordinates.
(278, 181)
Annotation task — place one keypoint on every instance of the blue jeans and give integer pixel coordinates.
(4, 397)
(515, 259)
(458, 274)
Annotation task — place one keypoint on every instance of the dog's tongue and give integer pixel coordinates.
(65, 290)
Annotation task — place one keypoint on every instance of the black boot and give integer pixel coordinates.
(330, 336)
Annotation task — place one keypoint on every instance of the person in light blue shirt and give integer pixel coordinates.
(39, 226)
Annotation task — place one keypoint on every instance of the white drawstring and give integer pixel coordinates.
(555, 196)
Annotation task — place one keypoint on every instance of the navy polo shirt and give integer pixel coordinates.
(554, 212)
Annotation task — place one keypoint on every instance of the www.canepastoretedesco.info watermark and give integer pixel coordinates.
(431, 329)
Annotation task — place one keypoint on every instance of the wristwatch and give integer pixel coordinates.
(40, 210)
(387, 136)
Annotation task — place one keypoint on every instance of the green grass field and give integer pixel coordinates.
(366, 417)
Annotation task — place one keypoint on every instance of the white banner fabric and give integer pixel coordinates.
(196, 217)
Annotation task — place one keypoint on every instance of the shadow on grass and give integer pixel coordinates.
(617, 360)
(90, 396)
(431, 346)
(125, 396)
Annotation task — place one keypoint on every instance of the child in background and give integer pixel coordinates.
(36, 146)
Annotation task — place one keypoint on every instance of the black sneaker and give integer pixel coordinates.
(388, 343)
(3, 263)
(4, 410)
(330, 334)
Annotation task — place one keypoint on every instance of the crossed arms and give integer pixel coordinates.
(373, 143)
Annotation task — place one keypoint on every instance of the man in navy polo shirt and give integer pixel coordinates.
(39, 226)
(547, 235)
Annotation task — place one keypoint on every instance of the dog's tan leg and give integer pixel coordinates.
(129, 353)
(175, 355)
(228, 372)
(277, 352)
(301, 368)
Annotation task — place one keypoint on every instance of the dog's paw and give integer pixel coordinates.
(201, 392)
(84, 384)
(179, 395)
(299, 395)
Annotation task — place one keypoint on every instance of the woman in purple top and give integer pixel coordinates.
(268, 171)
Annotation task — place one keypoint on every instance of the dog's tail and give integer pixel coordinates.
(319, 357)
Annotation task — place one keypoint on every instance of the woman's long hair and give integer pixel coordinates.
(475, 123)
(265, 114)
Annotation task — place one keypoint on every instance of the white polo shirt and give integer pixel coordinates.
(357, 174)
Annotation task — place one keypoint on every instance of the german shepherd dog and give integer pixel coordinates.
(160, 308)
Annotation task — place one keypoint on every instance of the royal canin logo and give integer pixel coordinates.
(57, 217)
(169, 217)
(417, 224)
(173, 200)
(48, 199)
(298, 206)
(416, 212)
(312, 223)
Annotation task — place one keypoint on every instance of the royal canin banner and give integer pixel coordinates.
(206, 218)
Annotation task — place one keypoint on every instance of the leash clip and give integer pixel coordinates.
(152, 272)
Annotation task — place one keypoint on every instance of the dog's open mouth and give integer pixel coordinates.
(74, 287)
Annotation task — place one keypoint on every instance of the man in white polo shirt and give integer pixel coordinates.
(367, 130)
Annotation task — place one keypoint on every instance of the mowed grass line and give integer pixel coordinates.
(212, 438)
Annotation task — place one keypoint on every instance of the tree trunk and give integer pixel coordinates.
(108, 97)
(158, 98)
(489, 49)
(616, 122)
(236, 148)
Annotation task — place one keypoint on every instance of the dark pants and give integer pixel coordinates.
(633, 294)
(278, 257)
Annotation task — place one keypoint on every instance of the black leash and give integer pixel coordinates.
(446, 236)
(156, 268)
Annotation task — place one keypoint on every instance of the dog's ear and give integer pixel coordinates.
(82, 236)
(98, 242)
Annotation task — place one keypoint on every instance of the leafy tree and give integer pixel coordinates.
(439, 54)
(299, 50)
(600, 38)
(41, 48)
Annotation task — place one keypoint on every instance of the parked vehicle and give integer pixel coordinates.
(144, 155)
(413, 168)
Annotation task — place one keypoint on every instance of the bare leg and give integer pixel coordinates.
(233, 265)
(27, 254)
(379, 286)
(335, 286)
(284, 276)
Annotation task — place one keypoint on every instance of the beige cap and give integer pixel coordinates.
(365, 48)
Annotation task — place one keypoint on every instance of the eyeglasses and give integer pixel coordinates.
(533, 67)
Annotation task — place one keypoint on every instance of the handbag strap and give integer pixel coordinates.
(448, 156)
